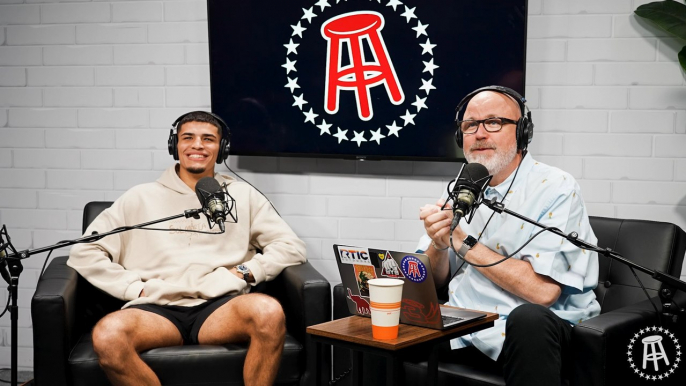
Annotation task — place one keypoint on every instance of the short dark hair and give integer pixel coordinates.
(201, 116)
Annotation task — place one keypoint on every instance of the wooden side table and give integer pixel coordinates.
(355, 333)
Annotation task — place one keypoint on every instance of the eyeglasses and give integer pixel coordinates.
(492, 125)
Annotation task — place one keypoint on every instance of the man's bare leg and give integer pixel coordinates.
(121, 335)
(256, 318)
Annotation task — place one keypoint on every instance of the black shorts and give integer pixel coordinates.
(187, 319)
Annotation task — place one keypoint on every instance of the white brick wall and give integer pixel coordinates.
(89, 89)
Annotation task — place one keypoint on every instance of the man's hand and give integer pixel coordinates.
(437, 222)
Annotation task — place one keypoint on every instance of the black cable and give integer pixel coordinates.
(45, 263)
(246, 181)
(507, 256)
(340, 377)
(7, 307)
(489, 219)
(659, 317)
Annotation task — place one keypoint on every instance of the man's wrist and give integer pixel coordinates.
(436, 247)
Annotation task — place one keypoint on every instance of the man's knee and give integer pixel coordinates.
(268, 317)
(110, 338)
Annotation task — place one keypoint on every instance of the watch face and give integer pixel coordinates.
(469, 240)
(242, 269)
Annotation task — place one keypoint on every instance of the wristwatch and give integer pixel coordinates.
(468, 243)
(242, 269)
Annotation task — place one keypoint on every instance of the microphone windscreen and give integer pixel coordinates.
(474, 172)
(205, 188)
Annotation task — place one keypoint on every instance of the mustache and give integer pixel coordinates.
(482, 145)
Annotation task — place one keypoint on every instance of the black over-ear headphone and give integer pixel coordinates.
(224, 144)
(525, 126)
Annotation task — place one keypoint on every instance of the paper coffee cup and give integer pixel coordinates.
(385, 296)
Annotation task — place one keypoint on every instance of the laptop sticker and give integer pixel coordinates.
(357, 256)
(362, 275)
(413, 269)
(360, 303)
(389, 268)
(416, 312)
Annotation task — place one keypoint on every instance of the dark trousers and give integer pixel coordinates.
(537, 347)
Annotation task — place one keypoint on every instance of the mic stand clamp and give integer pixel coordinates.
(670, 284)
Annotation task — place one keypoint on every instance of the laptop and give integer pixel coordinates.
(420, 306)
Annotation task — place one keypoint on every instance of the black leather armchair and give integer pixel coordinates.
(65, 308)
(599, 344)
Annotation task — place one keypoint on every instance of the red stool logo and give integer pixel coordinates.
(357, 60)
(361, 74)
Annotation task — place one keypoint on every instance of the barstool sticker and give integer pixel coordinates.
(358, 61)
(654, 353)
(413, 268)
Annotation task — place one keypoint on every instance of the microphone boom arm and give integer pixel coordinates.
(14, 267)
(670, 283)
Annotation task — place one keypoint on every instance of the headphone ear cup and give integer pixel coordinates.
(171, 145)
(458, 138)
(224, 146)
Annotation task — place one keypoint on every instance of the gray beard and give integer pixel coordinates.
(495, 163)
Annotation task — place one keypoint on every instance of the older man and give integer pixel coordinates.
(546, 287)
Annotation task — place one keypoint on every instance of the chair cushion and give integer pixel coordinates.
(181, 365)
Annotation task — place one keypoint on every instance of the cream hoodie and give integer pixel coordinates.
(183, 268)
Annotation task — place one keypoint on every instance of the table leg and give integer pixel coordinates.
(393, 368)
(357, 379)
(432, 368)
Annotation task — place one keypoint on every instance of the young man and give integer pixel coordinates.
(547, 286)
(187, 287)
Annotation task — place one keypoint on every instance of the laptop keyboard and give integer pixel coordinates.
(450, 320)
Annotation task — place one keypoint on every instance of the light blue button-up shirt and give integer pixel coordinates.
(553, 198)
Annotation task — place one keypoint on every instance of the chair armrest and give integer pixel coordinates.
(599, 345)
(53, 310)
(305, 296)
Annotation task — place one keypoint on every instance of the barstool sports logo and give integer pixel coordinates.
(654, 354)
(357, 63)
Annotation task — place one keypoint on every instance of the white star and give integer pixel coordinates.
(299, 101)
(291, 47)
(661, 329)
(409, 14)
(427, 85)
(420, 28)
(429, 66)
(322, 4)
(298, 30)
(641, 331)
(341, 135)
(359, 138)
(393, 129)
(308, 15)
(377, 136)
(292, 84)
(310, 116)
(427, 47)
(408, 118)
(289, 66)
(324, 127)
(419, 103)
(394, 4)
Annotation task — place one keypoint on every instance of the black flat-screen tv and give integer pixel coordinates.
(361, 79)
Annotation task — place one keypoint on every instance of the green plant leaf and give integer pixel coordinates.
(667, 15)
(682, 58)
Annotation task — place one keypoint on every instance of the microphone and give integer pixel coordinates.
(466, 193)
(213, 202)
